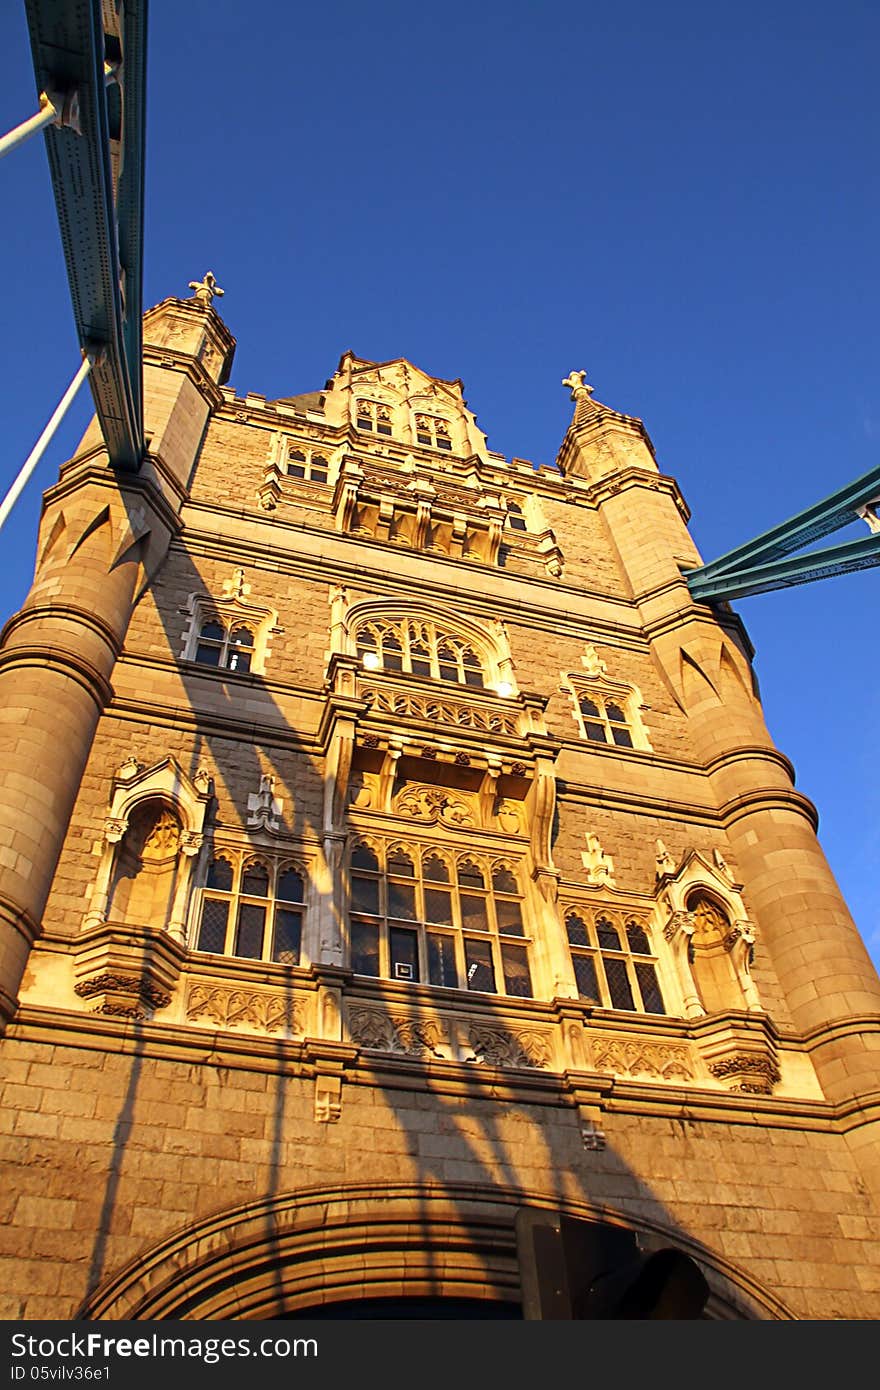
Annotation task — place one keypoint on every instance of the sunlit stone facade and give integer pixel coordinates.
(388, 842)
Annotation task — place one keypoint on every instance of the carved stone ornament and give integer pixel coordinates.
(633, 1057)
(124, 996)
(598, 864)
(203, 781)
(577, 385)
(114, 829)
(508, 817)
(593, 663)
(264, 807)
(750, 1074)
(454, 714)
(130, 768)
(207, 289)
(191, 842)
(592, 1133)
(665, 861)
(231, 1008)
(435, 804)
(236, 586)
(269, 493)
(496, 1047)
(740, 932)
(409, 1037)
(328, 1099)
(684, 922)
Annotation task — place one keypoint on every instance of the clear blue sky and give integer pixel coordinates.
(682, 199)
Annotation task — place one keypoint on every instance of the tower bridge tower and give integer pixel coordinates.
(391, 845)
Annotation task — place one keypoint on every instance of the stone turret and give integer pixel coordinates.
(103, 535)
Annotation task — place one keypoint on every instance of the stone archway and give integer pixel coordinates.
(303, 1251)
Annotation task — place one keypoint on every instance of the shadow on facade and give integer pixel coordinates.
(436, 1166)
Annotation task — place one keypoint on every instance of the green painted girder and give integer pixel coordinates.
(783, 573)
(760, 564)
(98, 182)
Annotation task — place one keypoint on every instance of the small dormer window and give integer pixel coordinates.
(433, 432)
(373, 415)
(515, 519)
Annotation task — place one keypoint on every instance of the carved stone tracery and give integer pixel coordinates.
(635, 1057)
(500, 1047)
(433, 804)
(384, 1032)
(230, 1008)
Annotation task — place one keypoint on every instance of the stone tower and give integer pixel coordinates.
(389, 846)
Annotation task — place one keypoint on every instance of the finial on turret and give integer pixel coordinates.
(206, 290)
(579, 388)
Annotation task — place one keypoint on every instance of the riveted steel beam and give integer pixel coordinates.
(760, 564)
(96, 161)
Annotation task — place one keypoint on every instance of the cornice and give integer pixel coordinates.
(77, 473)
(82, 672)
(750, 753)
(625, 478)
(204, 721)
(700, 613)
(859, 1025)
(191, 1044)
(84, 616)
(636, 803)
(769, 799)
(168, 358)
(530, 611)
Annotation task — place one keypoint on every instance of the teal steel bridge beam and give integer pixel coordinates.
(767, 562)
(94, 55)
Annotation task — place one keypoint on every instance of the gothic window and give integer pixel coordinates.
(306, 464)
(372, 415)
(433, 432)
(515, 519)
(230, 647)
(419, 648)
(252, 908)
(613, 964)
(426, 915)
(603, 720)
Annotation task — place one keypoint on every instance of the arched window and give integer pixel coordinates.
(603, 720)
(373, 415)
(425, 915)
(432, 431)
(212, 644)
(306, 464)
(613, 966)
(252, 908)
(420, 648)
(231, 649)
